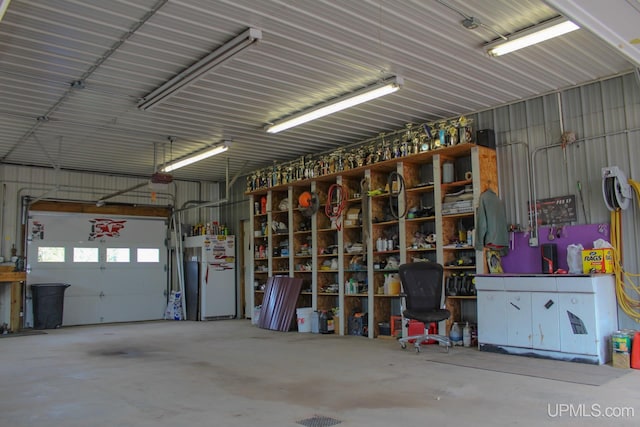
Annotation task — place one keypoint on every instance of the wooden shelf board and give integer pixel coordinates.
(421, 219)
(424, 189)
(458, 215)
(386, 165)
(385, 223)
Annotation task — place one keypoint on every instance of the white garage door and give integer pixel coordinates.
(116, 266)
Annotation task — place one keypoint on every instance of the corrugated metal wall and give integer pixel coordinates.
(17, 182)
(605, 117)
(34, 182)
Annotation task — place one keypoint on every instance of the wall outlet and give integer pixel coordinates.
(533, 242)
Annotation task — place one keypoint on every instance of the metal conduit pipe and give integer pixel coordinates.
(22, 203)
(547, 147)
(528, 163)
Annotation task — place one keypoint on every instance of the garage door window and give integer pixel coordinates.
(118, 255)
(50, 254)
(85, 255)
(148, 255)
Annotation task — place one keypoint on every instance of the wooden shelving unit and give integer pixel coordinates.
(340, 263)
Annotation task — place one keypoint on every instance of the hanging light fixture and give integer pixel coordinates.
(200, 68)
(536, 34)
(343, 102)
(196, 157)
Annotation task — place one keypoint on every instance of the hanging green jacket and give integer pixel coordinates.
(491, 222)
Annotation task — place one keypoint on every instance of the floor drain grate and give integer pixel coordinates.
(318, 421)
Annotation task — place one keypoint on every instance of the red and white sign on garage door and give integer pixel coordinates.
(116, 266)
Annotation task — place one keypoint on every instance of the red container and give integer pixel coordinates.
(417, 328)
(635, 351)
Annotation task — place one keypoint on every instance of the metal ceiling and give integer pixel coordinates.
(311, 51)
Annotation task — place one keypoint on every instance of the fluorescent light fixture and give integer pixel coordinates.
(536, 34)
(4, 4)
(368, 93)
(203, 66)
(196, 157)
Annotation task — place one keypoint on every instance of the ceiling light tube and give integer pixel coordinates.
(348, 100)
(195, 157)
(4, 5)
(539, 33)
(203, 66)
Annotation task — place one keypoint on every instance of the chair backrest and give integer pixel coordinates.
(422, 283)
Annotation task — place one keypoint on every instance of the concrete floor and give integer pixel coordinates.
(231, 373)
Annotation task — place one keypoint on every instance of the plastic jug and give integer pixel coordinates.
(455, 334)
(466, 335)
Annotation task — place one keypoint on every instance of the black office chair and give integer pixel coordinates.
(423, 286)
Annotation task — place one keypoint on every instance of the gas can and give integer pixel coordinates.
(326, 325)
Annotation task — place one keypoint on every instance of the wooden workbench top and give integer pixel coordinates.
(13, 276)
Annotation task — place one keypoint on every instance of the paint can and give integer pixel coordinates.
(621, 341)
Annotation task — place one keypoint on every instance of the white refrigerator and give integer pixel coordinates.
(216, 288)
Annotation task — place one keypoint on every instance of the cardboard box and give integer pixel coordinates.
(621, 360)
(597, 261)
(353, 213)
(352, 217)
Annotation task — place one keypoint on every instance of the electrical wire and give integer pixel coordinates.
(626, 290)
(395, 176)
(334, 210)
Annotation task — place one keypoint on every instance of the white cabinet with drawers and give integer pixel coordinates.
(563, 317)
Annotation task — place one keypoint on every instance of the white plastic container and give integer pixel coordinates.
(466, 335)
(255, 316)
(447, 172)
(455, 334)
(303, 315)
(315, 323)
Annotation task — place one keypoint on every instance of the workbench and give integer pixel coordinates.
(13, 279)
(559, 316)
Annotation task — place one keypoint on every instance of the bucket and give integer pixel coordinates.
(303, 315)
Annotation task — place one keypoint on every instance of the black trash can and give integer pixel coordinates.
(48, 303)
